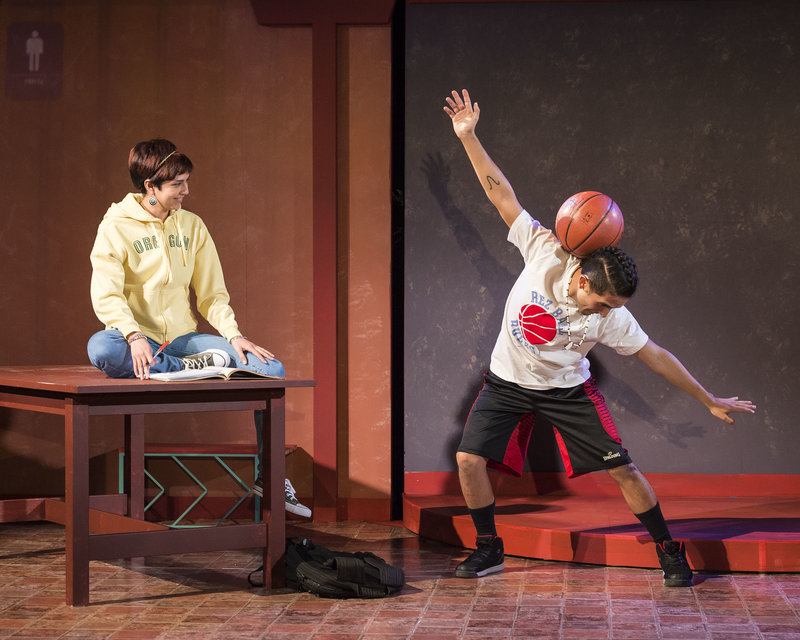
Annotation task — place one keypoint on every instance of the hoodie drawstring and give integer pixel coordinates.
(182, 238)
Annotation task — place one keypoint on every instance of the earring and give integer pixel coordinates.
(152, 201)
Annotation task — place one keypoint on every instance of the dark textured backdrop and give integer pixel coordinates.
(687, 114)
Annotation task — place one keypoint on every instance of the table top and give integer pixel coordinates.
(85, 379)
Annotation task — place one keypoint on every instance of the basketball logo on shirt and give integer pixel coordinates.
(537, 325)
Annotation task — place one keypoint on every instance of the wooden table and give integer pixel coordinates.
(110, 527)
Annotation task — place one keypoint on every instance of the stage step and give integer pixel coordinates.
(751, 533)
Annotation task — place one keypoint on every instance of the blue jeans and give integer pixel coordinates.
(110, 352)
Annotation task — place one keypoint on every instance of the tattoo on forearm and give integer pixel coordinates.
(490, 180)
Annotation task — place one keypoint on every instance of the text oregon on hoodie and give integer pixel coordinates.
(143, 269)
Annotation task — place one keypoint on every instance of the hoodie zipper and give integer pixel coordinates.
(168, 261)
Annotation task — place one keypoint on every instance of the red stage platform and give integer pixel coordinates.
(742, 523)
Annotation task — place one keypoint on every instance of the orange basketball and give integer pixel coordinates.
(587, 221)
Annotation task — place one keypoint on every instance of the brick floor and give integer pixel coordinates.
(198, 596)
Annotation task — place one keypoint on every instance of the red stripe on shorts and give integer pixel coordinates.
(562, 447)
(514, 459)
(599, 403)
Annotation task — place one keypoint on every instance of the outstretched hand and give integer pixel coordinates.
(721, 407)
(462, 112)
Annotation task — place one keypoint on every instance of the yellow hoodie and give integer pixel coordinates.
(142, 270)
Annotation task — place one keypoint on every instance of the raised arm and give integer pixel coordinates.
(672, 370)
(464, 116)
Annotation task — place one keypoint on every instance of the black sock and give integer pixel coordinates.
(655, 524)
(483, 519)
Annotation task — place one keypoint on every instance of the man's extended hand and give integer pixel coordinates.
(721, 407)
(463, 113)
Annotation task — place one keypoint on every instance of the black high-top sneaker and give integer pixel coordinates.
(487, 558)
(672, 557)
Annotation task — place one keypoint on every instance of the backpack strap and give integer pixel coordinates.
(389, 575)
(372, 575)
(255, 579)
(350, 569)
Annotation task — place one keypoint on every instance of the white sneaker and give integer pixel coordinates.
(292, 505)
(207, 358)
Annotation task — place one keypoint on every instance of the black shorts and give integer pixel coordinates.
(500, 422)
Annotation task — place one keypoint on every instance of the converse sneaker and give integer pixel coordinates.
(207, 358)
(291, 503)
(672, 557)
(486, 559)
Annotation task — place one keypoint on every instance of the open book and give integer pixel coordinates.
(225, 373)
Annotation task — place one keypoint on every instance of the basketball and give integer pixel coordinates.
(587, 221)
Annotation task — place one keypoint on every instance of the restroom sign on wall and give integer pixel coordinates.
(34, 60)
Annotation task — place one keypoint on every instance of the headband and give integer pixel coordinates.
(167, 157)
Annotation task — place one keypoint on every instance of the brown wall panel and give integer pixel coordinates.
(236, 98)
(364, 173)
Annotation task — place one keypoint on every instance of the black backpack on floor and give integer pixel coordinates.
(337, 574)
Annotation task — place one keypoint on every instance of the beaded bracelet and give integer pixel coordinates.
(240, 336)
(136, 336)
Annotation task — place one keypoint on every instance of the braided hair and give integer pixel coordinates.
(611, 270)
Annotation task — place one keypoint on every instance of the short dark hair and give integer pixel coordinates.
(611, 270)
(157, 160)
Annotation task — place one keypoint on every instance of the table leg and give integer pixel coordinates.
(134, 465)
(274, 437)
(76, 489)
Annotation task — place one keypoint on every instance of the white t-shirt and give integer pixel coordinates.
(531, 348)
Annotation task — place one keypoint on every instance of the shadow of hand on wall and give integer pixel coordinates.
(492, 274)
(621, 393)
(489, 292)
